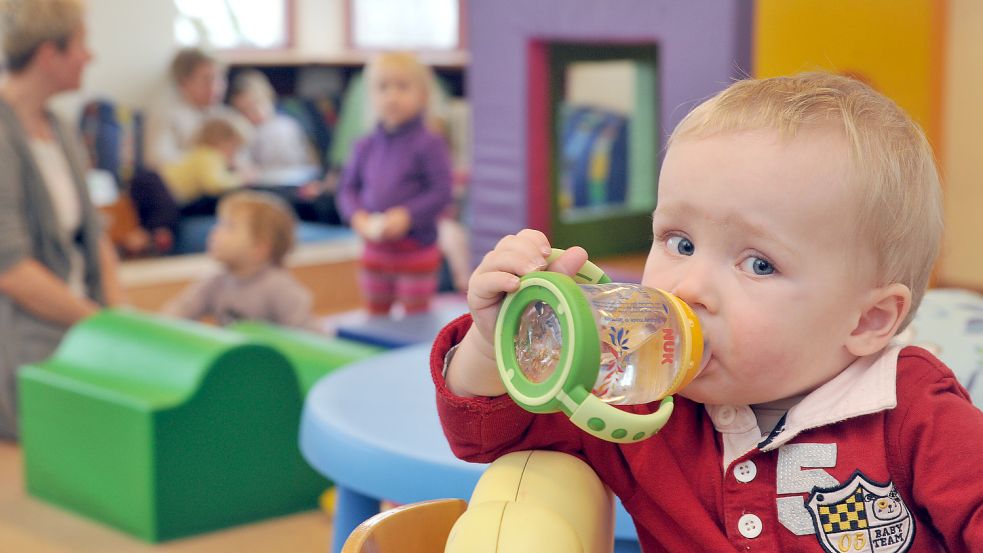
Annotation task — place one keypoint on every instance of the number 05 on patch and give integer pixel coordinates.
(861, 516)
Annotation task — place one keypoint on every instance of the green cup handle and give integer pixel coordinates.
(614, 425)
(587, 274)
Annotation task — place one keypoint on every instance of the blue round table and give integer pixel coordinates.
(372, 427)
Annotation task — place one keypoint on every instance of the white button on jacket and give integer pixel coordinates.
(745, 472)
(749, 526)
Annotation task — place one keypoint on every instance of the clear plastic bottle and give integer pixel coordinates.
(646, 336)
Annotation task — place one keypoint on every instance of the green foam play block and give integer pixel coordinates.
(165, 428)
(312, 355)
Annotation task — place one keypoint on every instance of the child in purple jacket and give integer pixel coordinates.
(395, 187)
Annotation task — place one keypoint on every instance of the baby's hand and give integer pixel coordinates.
(499, 272)
(472, 370)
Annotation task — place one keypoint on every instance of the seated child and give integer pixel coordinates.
(279, 151)
(278, 142)
(255, 231)
(800, 218)
(395, 187)
(198, 178)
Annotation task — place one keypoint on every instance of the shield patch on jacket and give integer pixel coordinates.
(861, 516)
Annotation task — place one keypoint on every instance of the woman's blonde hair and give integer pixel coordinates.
(269, 219)
(28, 24)
(187, 60)
(216, 131)
(898, 187)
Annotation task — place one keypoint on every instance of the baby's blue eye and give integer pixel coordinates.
(680, 245)
(759, 266)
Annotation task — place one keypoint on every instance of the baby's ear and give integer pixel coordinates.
(885, 310)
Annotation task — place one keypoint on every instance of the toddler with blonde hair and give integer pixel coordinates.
(395, 187)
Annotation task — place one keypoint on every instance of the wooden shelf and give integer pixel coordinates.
(457, 59)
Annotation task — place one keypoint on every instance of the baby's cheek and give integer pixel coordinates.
(759, 347)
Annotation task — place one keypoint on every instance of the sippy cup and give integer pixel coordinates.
(578, 344)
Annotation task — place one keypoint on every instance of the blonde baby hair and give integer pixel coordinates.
(27, 24)
(899, 193)
(269, 218)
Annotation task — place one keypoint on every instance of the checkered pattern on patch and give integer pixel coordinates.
(846, 515)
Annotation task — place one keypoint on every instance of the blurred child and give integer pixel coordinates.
(279, 151)
(198, 178)
(800, 218)
(395, 187)
(255, 231)
(277, 141)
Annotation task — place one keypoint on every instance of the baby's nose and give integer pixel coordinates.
(696, 290)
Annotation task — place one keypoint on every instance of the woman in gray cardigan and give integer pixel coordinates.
(56, 265)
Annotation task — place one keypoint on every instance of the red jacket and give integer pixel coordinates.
(883, 479)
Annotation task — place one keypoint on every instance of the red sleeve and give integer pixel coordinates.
(482, 429)
(936, 441)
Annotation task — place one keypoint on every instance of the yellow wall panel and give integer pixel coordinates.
(894, 44)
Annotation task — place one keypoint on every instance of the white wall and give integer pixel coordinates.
(319, 26)
(133, 40)
(132, 43)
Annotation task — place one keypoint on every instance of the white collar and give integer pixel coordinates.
(868, 385)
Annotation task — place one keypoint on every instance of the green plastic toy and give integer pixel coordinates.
(165, 428)
(312, 355)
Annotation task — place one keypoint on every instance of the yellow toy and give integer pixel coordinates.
(534, 501)
(525, 502)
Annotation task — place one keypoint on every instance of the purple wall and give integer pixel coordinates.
(703, 45)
